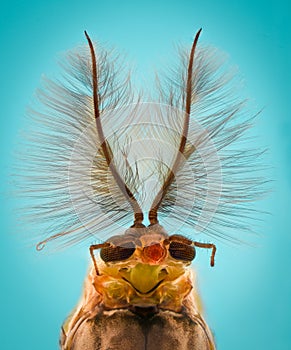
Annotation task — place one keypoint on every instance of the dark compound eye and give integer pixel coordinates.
(118, 253)
(182, 251)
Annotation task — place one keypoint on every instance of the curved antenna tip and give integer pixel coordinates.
(40, 246)
(197, 34)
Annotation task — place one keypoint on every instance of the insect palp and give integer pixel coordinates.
(207, 246)
(95, 247)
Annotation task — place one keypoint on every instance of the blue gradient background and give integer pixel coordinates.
(247, 296)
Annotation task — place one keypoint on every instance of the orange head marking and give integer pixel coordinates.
(154, 253)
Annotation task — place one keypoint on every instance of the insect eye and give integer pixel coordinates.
(117, 253)
(181, 251)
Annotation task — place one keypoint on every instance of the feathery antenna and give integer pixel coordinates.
(138, 214)
(153, 213)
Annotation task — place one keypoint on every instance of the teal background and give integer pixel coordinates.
(247, 296)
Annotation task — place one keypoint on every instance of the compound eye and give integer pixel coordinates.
(182, 251)
(117, 253)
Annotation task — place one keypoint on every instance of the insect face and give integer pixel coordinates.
(145, 267)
